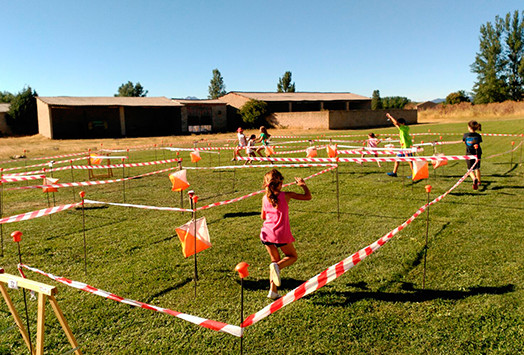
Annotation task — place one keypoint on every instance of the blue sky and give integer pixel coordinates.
(418, 49)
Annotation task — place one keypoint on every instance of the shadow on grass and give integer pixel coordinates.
(241, 214)
(412, 295)
(507, 187)
(169, 289)
(86, 208)
(263, 284)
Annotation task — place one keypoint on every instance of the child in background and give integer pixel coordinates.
(276, 231)
(241, 143)
(264, 139)
(372, 142)
(405, 141)
(250, 148)
(472, 140)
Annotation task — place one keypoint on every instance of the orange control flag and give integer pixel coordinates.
(331, 151)
(49, 181)
(269, 151)
(195, 156)
(179, 180)
(439, 163)
(420, 170)
(311, 152)
(187, 238)
(94, 159)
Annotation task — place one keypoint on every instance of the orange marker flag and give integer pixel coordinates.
(94, 159)
(195, 156)
(49, 181)
(311, 152)
(439, 163)
(179, 180)
(331, 151)
(269, 151)
(420, 170)
(187, 238)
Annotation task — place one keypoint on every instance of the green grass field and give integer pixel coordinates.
(474, 296)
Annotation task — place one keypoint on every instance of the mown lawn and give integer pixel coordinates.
(474, 296)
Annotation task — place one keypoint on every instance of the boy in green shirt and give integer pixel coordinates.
(405, 141)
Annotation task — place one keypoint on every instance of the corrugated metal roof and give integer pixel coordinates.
(202, 102)
(108, 101)
(4, 107)
(301, 96)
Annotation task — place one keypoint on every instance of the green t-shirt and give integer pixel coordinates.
(264, 138)
(405, 138)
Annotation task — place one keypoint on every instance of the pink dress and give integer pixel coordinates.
(372, 142)
(276, 228)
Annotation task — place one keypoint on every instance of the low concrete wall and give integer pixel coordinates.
(303, 120)
(340, 119)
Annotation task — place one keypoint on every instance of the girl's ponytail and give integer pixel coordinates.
(272, 181)
(475, 126)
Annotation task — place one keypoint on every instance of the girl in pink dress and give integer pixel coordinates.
(372, 142)
(276, 231)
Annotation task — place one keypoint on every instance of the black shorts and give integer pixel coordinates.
(278, 245)
(471, 162)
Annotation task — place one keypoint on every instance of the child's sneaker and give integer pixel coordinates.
(274, 273)
(392, 174)
(475, 184)
(273, 295)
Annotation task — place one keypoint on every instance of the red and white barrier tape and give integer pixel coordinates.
(256, 166)
(354, 160)
(509, 151)
(206, 323)
(338, 269)
(39, 213)
(145, 207)
(91, 183)
(15, 178)
(116, 166)
(227, 202)
(42, 164)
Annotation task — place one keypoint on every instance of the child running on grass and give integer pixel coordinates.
(405, 141)
(276, 231)
(264, 139)
(372, 142)
(250, 152)
(472, 140)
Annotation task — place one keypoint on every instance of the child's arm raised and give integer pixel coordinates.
(306, 196)
(393, 120)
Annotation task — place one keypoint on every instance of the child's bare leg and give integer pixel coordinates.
(472, 175)
(258, 151)
(290, 258)
(275, 258)
(378, 163)
(395, 167)
(477, 174)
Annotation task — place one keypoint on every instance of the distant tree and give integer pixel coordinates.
(457, 97)
(6, 97)
(514, 50)
(130, 90)
(284, 83)
(390, 102)
(376, 101)
(217, 87)
(22, 116)
(253, 111)
(490, 65)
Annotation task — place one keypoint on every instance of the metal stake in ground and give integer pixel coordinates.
(17, 238)
(82, 195)
(51, 173)
(192, 201)
(1, 213)
(338, 195)
(511, 161)
(72, 180)
(241, 268)
(123, 180)
(181, 191)
(428, 190)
